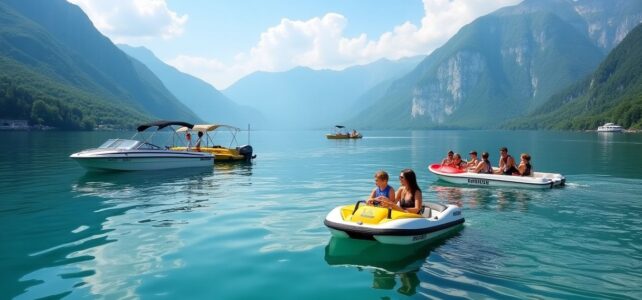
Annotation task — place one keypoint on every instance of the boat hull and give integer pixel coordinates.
(342, 137)
(539, 180)
(222, 154)
(141, 161)
(397, 232)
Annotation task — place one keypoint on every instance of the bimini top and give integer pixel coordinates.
(339, 126)
(162, 124)
(207, 127)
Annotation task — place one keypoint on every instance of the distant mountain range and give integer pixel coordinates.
(57, 69)
(206, 101)
(503, 65)
(613, 93)
(539, 64)
(306, 98)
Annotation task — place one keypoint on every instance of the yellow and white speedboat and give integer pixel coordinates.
(387, 226)
(201, 139)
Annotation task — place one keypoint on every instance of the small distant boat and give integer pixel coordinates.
(341, 134)
(140, 155)
(539, 180)
(388, 226)
(610, 127)
(231, 152)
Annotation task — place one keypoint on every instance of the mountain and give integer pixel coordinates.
(504, 64)
(605, 23)
(206, 101)
(306, 98)
(53, 45)
(613, 93)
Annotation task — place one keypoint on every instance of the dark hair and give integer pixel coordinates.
(200, 134)
(503, 149)
(485, 155)
(451, 152)
(473, 152)
(411, 179)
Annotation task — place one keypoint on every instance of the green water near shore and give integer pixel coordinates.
(241, 231)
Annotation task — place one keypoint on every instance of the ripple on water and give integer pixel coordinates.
(251, 231)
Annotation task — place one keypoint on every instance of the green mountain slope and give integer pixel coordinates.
(613, 93)
(29, 95)
(206, 101)
(502, 65)
(306, 98)
(56, 40)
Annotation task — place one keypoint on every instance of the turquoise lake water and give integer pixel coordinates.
(256, 231)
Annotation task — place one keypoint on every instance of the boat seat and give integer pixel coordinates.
(426, 212)
(435, 206)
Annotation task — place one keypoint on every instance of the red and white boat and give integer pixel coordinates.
(539, 180)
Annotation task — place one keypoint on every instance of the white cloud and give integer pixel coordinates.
(127, 21)
(320, 43)
(213, 71)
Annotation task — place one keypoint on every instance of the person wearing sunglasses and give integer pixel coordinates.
(448, 161)
(409, 198)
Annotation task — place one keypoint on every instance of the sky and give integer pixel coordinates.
(222, 41)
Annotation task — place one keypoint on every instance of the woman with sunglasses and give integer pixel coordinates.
(448, 161)
(409, 194)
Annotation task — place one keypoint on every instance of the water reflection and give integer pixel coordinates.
(387, 262)
(485, 198)
(119, 226)
(449, 195)
(242, 168)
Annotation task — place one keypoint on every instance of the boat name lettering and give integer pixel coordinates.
(419, 237)
(367, 213)
(478, 181)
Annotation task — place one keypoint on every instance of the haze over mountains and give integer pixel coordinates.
(613, 93)
(206, 101)
(504, 65)
(306, 98)
(539, 64)
(57, 69)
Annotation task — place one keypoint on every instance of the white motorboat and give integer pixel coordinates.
(137, 155)
(388, 226)
(539, 180)
(610, 127)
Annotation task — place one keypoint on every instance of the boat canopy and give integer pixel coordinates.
(339, 126)
(207, 127)
(162, 124)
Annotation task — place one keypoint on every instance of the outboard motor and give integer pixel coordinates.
(246, 151)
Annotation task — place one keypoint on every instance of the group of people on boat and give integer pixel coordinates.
(407, 198)
(197, 146)
(507, 165)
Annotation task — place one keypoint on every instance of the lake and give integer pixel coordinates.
(255, 231)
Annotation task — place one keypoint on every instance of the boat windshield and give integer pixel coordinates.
(119, 144)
